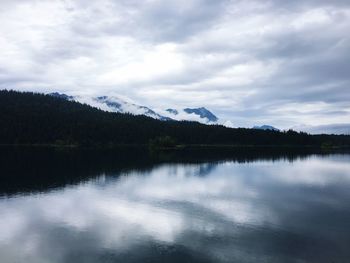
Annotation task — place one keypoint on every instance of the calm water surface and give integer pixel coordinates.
(139, 209)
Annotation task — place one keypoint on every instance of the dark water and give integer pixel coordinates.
(129, 206)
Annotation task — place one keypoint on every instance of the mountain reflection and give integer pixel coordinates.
(219, 211)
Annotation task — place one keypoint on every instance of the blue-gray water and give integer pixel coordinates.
(273, 209)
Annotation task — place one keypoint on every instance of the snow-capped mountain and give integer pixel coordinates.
(192, 114)
(203, 113)
(118, 104)
(266, 127)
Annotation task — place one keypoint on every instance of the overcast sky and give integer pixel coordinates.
(284, 63)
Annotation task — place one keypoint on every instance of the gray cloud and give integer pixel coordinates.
(253, 62)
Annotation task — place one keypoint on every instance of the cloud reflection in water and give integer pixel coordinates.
(223, 211)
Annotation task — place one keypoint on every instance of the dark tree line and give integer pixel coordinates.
(31, 118)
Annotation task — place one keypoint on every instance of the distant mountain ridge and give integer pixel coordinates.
(122, 105)
(201, 114)
(117, 104)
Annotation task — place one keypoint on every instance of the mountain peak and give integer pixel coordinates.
(203, 113)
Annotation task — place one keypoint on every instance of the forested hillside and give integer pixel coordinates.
(31, 118)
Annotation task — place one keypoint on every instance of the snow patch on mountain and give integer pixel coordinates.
(116, 104)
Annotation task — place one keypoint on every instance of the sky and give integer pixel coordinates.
(276, 62)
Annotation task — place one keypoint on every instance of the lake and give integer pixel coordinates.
(62, 206)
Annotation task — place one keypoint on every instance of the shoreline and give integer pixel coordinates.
(178, 147)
